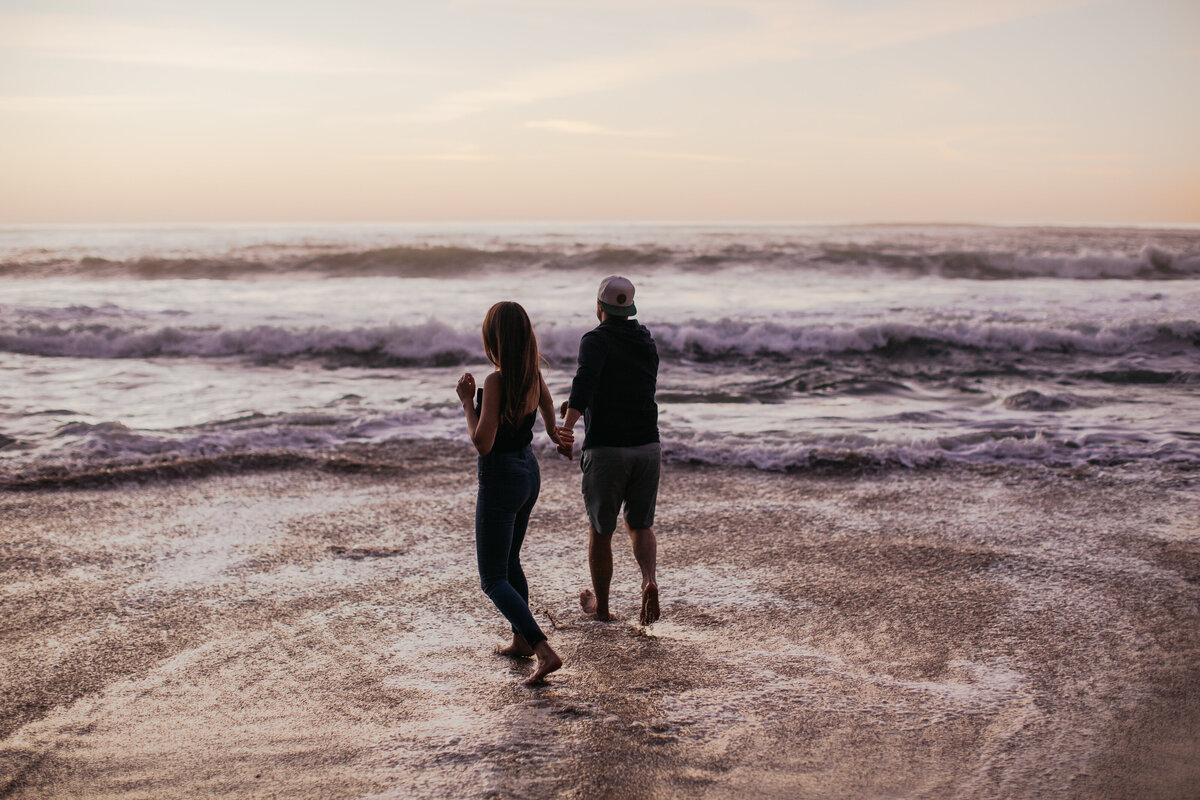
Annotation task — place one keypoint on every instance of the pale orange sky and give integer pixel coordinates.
(861, 110)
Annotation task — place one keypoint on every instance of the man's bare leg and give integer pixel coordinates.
(645, 550)
(600, 564)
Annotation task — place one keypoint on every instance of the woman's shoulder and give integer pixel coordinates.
(494, 384)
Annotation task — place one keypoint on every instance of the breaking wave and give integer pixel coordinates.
(434, 343)
(1007, 447)
(1031, 400)
(715, 341)
(430, 344)
(1151, 262)
(111, 454)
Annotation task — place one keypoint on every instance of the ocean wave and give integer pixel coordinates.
(1139, 375)
(436, 344)
(110, 454)
(715, 341)
(1151, 262)
(111, 448)
(429, 344)
(1015, 446)
(349, 460)
(1031, 400)
(82, 476)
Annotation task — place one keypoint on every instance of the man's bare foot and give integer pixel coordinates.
(518, 649)
(650, 612)
(548, 661)
(591, 606)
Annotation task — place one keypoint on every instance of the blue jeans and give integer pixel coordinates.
(508, 488)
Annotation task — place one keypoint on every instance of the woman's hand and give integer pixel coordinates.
(466, 388)
(565, 441)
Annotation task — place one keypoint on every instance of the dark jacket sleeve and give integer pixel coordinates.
(593, 352)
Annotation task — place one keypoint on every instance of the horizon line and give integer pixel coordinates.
(583, 222)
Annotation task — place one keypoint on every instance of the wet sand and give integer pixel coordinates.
(310, 633)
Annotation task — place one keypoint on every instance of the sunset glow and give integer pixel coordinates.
(1047, 111)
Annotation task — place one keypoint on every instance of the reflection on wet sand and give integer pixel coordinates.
(307, 634)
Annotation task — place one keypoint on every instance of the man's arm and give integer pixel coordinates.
(570, 417)
(593, 353)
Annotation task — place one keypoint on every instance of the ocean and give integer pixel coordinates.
(783, 347)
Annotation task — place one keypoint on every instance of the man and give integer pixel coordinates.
(614, 392)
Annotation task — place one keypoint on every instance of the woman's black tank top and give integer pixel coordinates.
(509, 438)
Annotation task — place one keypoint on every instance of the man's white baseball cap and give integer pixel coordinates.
(616, 296)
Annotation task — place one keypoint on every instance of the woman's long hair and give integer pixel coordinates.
(509, 343)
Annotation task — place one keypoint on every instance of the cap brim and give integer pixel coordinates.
(619, 311)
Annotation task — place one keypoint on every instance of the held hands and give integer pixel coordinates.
(466, 388)
(566, 439)
(565, 435)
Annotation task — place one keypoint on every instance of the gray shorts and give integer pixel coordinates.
(616, 475)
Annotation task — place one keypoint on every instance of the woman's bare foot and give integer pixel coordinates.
(518, 649)
(548, 661)
(591, 606)
(650, 612)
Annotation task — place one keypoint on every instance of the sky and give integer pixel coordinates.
(1043, 111)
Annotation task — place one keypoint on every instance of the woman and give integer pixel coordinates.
(509, 479)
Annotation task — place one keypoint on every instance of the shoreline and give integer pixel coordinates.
(395, 458)
(319, 631)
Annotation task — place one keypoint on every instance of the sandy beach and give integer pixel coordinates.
(907, 293)
(319, 632)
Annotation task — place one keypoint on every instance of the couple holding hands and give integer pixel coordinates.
(613, 391)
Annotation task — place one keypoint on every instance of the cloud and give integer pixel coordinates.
(709, 158)
(76, 102)
(1101, 157)
(444, 157)
(777, 31)
(579, 77)
(1099, 170)
(433, 151)
(1009, 148)
(587, 128)
(94, 39)
(983, 144)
